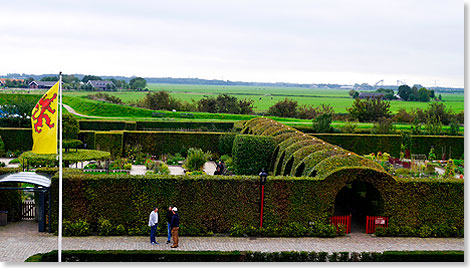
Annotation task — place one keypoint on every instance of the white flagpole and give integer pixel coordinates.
(60, 169)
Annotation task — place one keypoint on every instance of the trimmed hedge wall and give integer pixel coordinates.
(17, 139)
(105, 125)
(245, 256)
(159, 142)
(234, 200)
(110, 141)
(88, 138)
(210, 126)
(10, 200)
(251, 154)
(421, 144)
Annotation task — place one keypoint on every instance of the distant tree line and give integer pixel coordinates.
(406, 93)
(223, 103)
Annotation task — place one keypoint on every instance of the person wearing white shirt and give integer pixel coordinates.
(153, 223)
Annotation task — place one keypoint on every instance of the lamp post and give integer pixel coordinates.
(262, 180)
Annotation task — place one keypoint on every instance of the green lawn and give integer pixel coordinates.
(265, 97)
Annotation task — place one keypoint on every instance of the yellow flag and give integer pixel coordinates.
(44, 122)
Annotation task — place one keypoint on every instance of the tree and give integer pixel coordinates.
(438, 112)
(454, 127)
(423, 95)
(160, 100)
(207, 104)
(227, 104)
(389, 94)
(402, 116)
(70, 126)
(404, 91)
(353, 93)
(433, 126)
(369, 110)
(322, 122)
(284, 108)
(383, 126)
(50, 78)
(306, 111)
(245, 106)
(138, 83)
(86, 78)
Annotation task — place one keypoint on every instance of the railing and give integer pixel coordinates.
(344, 220)
(374, 221)
(28, 210)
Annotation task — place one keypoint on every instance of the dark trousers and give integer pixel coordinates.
(153, 231)
(174, 234)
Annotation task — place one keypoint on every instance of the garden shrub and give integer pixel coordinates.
(196, 159)
(251, 154)
(107, 229)
(77, 228)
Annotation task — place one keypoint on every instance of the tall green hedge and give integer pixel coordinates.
(17, 139)
(111, 141)
(10, 200)
(208, 126)
(217, 203)
(164, 142)
(105, 125)
(88, 138)
(251, 154)
(390, 143)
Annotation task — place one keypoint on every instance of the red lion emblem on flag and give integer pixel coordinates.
(45, 106)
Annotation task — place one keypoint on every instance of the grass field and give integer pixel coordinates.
(265, 97)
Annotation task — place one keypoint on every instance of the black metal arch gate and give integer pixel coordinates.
(41, 205)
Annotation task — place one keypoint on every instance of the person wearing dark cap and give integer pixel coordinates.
(175, 226)
(153, 223)
(169, 214)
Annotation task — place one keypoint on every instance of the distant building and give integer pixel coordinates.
(41, 84)
(100, 84)
(363, 95)
(3, 80)
(347, 87)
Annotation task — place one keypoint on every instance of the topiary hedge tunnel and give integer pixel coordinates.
(298, 154)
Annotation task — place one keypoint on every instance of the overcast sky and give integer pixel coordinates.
(321, 41)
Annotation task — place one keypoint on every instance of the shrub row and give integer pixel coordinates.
(106, 125)
(127, 200)
(245, 256)
(362, 144)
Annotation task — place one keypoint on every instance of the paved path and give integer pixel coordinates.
(20, 240)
